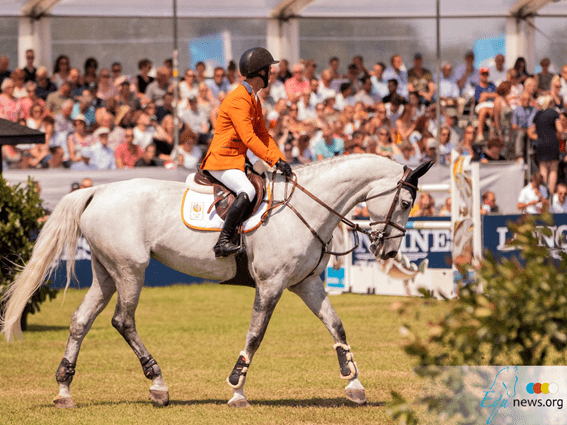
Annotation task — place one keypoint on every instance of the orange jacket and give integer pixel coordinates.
(240, 126)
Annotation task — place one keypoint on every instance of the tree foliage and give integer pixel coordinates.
(21, 218)
(514, 313)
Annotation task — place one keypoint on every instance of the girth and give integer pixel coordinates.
(224, 197)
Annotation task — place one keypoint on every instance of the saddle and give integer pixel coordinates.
(224, 197)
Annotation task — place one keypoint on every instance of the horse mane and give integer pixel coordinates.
(326, 163)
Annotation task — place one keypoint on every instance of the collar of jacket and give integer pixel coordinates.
(249, 89)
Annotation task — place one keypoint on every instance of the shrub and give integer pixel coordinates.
(21, 218)
(515, 313)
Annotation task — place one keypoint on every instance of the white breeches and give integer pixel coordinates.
(235, 180)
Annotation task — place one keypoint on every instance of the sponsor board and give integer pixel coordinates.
(496, 235)
(417, 245)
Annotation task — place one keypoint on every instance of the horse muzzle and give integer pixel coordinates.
(381, 254)
(377, 248)
(388, 255)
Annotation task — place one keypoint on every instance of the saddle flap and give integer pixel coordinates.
(223, 200)
(224, 197)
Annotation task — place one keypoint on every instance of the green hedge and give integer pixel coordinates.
(515, 313)
(21, 218)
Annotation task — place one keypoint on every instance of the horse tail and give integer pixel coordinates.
(60, 232)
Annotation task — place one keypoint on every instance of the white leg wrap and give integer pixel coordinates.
(355, 384)
(238, 394)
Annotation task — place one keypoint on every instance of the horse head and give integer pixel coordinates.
(387, 232)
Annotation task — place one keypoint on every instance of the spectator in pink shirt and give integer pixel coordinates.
(127, 153)
(9, 105)
(31, 98)
(106, 89)
(297, 84)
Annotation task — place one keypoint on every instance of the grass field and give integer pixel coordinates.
(195, 333)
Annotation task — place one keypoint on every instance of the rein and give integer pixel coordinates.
(376, 237)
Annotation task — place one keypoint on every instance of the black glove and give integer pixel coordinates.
(284, 167)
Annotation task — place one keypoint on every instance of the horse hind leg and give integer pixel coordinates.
(124, 321)
(95, 301)
(312, 292)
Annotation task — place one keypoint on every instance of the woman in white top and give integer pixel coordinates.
(106, 89)
(61, 70)
(205, 100)
(559, 202)
(533, 198)
(188, 86)
(18, 75)
(36, 117)
(187, 154)
(79, 139)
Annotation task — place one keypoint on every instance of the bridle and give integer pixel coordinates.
(377, 237)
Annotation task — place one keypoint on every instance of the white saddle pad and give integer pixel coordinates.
(194, 212)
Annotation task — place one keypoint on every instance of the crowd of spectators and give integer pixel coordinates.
(100, 118)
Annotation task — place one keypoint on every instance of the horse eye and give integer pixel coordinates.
(405, 205)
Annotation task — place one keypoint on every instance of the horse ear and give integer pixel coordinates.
(420, 170)
(414, 175)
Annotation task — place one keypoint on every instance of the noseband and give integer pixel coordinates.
(376, 237)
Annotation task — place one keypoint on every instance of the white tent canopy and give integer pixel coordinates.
(282, 16)
(283, 8)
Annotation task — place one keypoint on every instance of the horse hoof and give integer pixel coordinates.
(64, 402)
(356, 395)
(241, 402)
(161, 398)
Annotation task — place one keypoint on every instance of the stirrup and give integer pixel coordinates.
(227, 249)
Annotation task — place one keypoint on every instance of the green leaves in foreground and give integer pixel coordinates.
(21, 218)
(514, 313)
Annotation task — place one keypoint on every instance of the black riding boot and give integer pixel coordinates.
(224, 246)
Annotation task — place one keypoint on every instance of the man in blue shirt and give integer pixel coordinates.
(329, 146)
(397, 72)
(85, 107)
(102, 157)
(522, 120)
(218, 83)
(379, 84)
(449, 90)
(484, 93)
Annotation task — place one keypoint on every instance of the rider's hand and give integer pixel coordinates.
(284, 167)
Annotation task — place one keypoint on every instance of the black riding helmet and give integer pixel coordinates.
(254, 60)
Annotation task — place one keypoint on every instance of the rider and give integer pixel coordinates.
(240, 126)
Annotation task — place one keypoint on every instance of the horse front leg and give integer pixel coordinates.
(264, 305)
(312, 292)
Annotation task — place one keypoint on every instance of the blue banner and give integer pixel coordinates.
(208, 49)
(496, 235)
(486, 49)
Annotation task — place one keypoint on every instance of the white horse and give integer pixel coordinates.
(126, 223)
